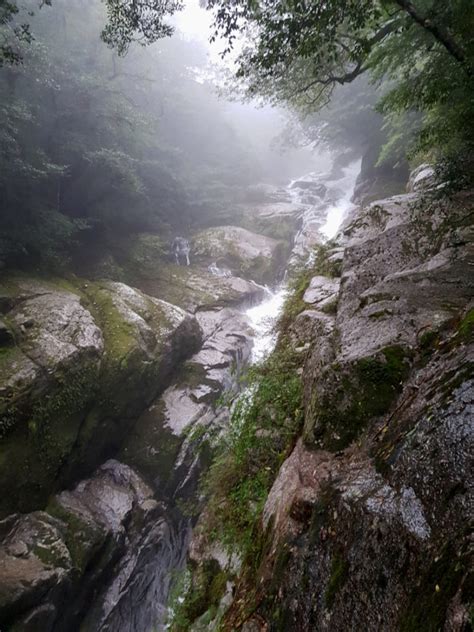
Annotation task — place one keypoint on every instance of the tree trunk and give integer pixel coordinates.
(441, 34)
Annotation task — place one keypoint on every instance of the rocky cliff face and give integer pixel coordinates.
(110, 396)
(106, 393)
(367, 523)
(81, 363)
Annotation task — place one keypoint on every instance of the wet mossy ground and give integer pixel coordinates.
(118, 334)
(205, 590)
(465, 330)
(351, 396)
(82, 538)
(440, 580)
(152, 448)
(337, 578)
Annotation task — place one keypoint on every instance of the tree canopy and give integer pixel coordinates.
(127, 21)
(297, 52)
(94, 146)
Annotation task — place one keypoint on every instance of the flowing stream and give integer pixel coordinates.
(327, 216)
(264, 316)
(337, 212)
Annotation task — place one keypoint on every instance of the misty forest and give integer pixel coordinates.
(236, 315)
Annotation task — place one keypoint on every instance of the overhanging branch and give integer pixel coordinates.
(440, 33)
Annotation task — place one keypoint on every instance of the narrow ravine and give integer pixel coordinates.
(236, 316)
(160, 356)
(263, 316)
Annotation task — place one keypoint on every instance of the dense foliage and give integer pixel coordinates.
(128, 21)
(299, 52)
(94, 146)
(262, 430)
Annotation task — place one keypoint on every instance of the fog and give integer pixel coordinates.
(117, 144)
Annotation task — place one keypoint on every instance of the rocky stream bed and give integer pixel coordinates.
(100, 383)
(105, 385)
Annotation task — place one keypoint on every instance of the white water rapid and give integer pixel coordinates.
(264, 316)
(337, 212)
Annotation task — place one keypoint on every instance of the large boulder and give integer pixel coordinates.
(89, 558)
(86, 359)
(247, 254)
(195, 289)
(422, 178)
(162, 444)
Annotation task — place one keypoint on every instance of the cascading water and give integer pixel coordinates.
(323, 203)
(263, 316)
(337, 212)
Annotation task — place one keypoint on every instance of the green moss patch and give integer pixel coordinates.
(119, 335)
(439, 582)
(83, 538)
(465, 331)
(151, 447)
(206, 587)
(260, 434)
(337, 578)
(354, 395)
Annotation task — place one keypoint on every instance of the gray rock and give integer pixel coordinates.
(196, 288)
(54, 333)
(247, 254)
(34, 563)
(321, 291)
(422, 178)
(77, 376)
(161, 446)
(317, 188)
(397, 277)
(109, 528)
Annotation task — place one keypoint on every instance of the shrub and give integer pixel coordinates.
(264, 423)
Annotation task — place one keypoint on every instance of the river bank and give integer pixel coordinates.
(125, 374)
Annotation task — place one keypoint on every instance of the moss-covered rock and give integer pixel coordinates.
(65, 567)
(249, 255)
(83, 359)
(194, 288)
(346, 398)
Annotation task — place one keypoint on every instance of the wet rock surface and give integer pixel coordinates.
(245, 253)
(366, 526)
(109, 527)
(85, 361)
(195, 288)
(367, 515)
(161, 444)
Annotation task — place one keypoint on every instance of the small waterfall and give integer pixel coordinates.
(181, 249)
(263, 318)
(337, 212)
(325, 202)
(324, 205)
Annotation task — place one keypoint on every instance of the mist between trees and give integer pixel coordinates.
(102, 137)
